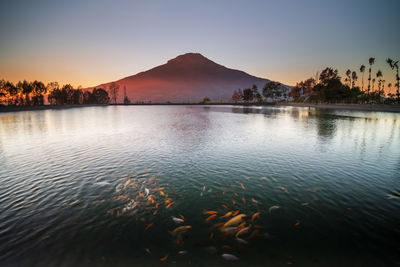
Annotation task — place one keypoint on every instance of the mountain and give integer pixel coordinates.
(186, 78)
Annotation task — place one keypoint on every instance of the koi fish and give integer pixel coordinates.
(224, 206)
(164, 258)
(162, 193)
(244, 200)
(177, 220)
(227, 214)
(241, 241)
(180, 230)
(254, 201)
(147, 191)
(148, 250)
(235, 220)
(297, 223)
(243, 231)
(235, 213)
(273, 208)
(180, 215)
(229, 257)
(148, 226)
(158, 189)
(167, 201)
(182, 252)
(210, 212)
(169, 205)
(283, 189)
(211, 217)
(155, 212)
(230, 229)
(226, 247)
(127, 183)
(120, 197)
(244, 188)
(255, 215)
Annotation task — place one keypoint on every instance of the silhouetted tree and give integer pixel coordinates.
(379, 76)
(348, 79)
(256, 95)
(362, 70)
(100, 96)
(354, 78)
(248, 95)
(27, 89)
(371, 62)
(395, 65)
(272, 90)
(39, 89)
(373, 85)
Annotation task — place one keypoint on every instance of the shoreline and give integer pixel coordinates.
(354, 107)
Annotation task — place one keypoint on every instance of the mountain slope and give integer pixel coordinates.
(186, 78)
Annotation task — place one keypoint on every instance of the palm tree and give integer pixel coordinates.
(354, 77)
(378, 76)
(383, 87)
(394, 65)
(362, 70)
(373, 84)
(348, 79)
(371, 62)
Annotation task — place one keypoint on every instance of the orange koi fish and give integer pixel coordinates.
(169, 205)
(211, 217)
(255, 215)
(120, 197)
(164, 258)
(210, 212)
(244, 188)
(148, 226)
(227, 214)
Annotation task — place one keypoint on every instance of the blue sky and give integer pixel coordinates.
(90, 42)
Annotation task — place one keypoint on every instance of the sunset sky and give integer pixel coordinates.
(91, 42)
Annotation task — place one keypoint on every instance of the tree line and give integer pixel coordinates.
(271, 91)
(33, 94)
(329, 88)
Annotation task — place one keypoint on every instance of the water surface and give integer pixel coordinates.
(65, 199)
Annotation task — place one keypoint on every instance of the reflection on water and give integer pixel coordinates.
(334, 175)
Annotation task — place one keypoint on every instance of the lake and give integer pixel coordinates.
(99, 186)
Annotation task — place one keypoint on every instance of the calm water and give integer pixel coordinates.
(72, 182)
